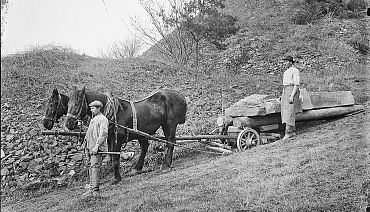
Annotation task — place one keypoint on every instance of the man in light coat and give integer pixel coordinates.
(96, 141)
(290, 97)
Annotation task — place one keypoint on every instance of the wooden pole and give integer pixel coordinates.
(275, 118)
(191, 137)
(212, 143)
(218, 149)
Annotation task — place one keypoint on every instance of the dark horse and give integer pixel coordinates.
(165, 108)
(56, 107)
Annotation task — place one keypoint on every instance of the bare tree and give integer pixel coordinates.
(164, 38)
(180, 26)
(126, 48)
(202, 20)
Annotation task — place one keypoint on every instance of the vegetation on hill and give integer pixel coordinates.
(332, 49)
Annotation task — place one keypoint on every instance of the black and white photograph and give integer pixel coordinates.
(185, 105)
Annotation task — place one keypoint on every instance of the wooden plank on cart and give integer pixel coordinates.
(327, 112)
(257, 121)
(331, 99)
(262, 105)
(307, 115)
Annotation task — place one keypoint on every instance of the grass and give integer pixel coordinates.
(322, 170)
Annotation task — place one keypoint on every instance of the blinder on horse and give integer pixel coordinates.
(76, 117)
(54, 112)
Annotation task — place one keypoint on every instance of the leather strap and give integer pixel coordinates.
(134, 119)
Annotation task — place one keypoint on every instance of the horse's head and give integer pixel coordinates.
(77, 109)
(54, 110)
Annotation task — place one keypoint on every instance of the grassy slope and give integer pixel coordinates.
(324, 169)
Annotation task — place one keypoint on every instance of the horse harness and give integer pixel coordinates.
(110, 111)
(112, 106)
(78, 116)
(134, 118)
(54, 118)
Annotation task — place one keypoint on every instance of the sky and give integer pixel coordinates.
(87, 26)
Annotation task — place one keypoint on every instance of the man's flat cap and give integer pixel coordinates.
(96, 104)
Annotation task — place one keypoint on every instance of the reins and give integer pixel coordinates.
(55, 118)
(78, 116)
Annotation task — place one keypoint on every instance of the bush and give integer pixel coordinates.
(45, 57)
(307, 11)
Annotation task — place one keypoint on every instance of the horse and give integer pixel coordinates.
(56, 107)
(165, 108)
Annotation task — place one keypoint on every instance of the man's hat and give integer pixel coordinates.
(96, 104)
(289, 58)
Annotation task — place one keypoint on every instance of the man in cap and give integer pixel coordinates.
(96, 141)
(290, 97)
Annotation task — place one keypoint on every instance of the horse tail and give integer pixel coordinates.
(183, 117)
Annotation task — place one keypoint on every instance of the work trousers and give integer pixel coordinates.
(95, 164)
(288, 110)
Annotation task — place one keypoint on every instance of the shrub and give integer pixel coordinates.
(307, 11)
(45, 57)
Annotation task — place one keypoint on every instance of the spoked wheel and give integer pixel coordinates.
(248, 138)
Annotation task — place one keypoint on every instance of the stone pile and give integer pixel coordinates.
(30, 157)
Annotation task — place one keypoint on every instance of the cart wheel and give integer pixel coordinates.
(247, 139)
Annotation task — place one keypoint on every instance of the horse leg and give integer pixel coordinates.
(144, 144)
(170, 133)
(116, 159)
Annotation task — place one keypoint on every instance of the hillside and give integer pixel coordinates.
(326, 167)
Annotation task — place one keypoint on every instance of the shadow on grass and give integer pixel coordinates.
(91, 203)
(307, 126)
